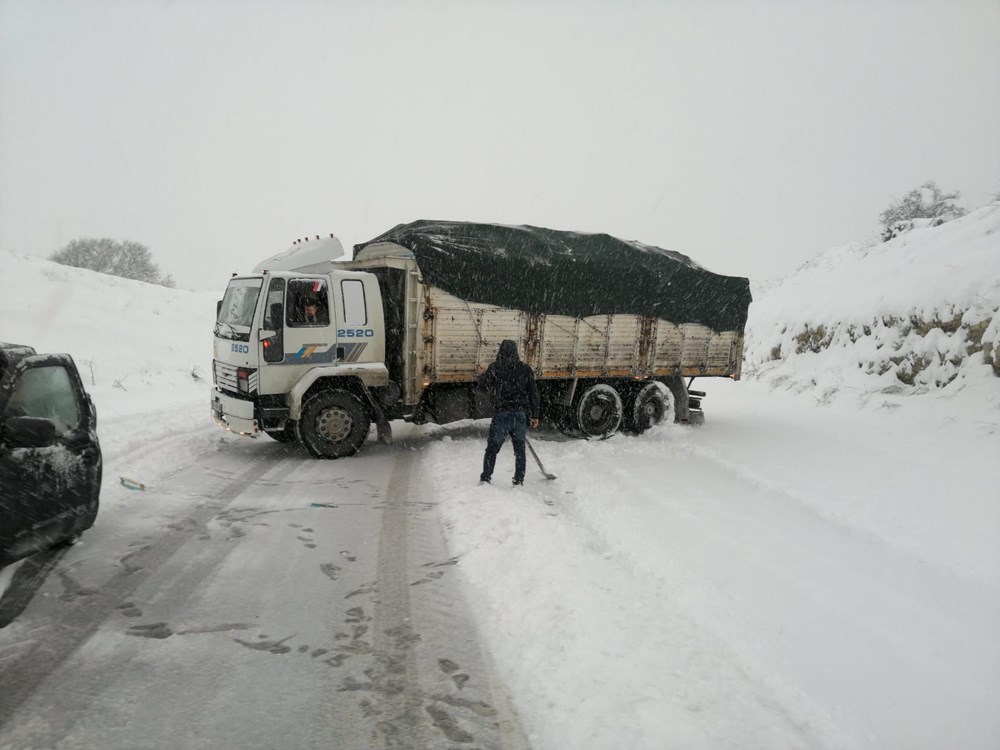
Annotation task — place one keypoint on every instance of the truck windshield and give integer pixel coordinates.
(238, 305)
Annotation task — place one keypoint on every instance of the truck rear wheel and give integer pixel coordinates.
(565, 421)
(333, 424)
(646, 407)
(599, 411)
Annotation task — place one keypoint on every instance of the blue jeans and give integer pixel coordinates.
(515, 424)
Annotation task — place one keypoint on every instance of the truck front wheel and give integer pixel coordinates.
(333, 424)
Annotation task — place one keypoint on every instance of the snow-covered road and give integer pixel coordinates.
(250, 597)
(787, 576)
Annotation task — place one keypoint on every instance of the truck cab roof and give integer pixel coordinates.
(305, 256)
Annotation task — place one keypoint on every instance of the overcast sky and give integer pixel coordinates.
(748, 134)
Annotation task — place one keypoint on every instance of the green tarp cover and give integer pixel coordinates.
(567, 273)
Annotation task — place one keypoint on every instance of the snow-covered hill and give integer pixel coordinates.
(915, 315)
(129, 339)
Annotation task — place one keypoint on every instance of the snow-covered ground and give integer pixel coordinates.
(818, 566)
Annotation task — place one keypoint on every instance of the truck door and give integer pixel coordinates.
(310, 323)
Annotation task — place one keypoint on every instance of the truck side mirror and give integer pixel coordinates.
(218, 309)
(277, 314)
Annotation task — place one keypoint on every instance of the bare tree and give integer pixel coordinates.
(927, 205)
(127, 259)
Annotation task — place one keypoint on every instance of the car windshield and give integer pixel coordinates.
(238, 304)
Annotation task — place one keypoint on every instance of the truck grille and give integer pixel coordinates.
(225, 378)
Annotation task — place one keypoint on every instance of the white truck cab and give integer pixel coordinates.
(291, 333)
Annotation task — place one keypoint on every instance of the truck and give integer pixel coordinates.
(615, 331)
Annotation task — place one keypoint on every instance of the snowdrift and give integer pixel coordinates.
(914, 315)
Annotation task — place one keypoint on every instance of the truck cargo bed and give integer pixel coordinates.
(460, 335)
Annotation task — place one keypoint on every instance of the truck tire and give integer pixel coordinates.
(646, 407)
(333, 424)
(679, 392)
(285, 435)
(565, 421)
(598, 412)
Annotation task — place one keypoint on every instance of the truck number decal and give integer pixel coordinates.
(240, 348)
(355, 333)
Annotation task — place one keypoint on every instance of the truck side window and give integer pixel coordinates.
(275, 296)
(46, 392)
(313, 293)
(274, 316)
(355, 311)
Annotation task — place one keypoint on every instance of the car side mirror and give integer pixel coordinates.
(29, 432)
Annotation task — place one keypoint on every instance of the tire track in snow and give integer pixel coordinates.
(81, 617)
(435, 688)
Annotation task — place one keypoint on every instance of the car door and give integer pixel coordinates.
(49, 487)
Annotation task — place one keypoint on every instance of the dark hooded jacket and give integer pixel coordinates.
(511, 383)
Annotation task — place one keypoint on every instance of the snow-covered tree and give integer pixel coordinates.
(127, 259)
(927, 205)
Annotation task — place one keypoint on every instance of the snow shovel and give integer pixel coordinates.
(538, 461)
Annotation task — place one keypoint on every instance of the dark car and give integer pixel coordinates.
(50, 458)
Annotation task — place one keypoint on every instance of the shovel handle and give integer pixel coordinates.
(538, 461)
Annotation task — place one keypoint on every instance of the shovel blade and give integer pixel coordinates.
(539, 462)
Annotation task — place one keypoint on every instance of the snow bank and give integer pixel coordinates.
(914, 315)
